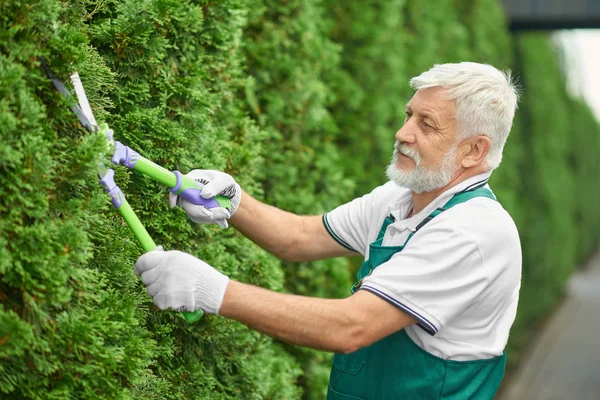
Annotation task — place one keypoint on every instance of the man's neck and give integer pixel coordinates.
(422, 200)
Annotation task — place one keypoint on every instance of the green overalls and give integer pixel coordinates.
(395, 367)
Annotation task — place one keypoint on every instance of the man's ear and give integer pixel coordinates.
(475, 150)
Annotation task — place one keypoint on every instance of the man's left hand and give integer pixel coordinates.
(179, 281)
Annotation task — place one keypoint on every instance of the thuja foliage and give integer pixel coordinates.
(299, 100)
(555, 156)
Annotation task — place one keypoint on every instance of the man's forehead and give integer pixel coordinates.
(433, 99)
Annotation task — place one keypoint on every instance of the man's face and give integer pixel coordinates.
(425, 152)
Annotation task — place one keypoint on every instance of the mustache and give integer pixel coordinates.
(403, 149)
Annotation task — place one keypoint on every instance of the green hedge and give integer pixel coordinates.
(299, 100)
(553, 157)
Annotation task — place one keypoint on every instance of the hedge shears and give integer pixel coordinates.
(177, 183)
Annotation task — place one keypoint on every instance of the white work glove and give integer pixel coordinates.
(181, 282)
(215, 183)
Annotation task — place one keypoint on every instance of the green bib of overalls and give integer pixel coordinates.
(395, 367)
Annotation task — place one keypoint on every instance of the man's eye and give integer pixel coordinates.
(408, 114)
(425, 125)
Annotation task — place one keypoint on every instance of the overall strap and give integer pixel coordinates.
(475, 190)
(387, 222)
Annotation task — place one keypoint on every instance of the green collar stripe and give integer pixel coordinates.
(475, 186)
(335, 236)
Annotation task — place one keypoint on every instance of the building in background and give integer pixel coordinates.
(552, 14)
(577, 26)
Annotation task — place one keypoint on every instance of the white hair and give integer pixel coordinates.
(486, 101)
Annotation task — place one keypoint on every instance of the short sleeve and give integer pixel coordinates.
(349, 223)
(435, 278)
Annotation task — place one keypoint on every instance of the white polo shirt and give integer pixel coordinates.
(459, 275)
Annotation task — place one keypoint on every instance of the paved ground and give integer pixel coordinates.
(565, 362)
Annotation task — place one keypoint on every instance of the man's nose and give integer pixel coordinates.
(406, 133)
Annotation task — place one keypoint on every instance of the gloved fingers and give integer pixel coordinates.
(201, 174)
(179, 301)
(173, 198)
(220, 216)
(196, 212)
(150, 276)
(149, 260)
(154, 288)
(169, 278)
(216, 186)
(219, 213)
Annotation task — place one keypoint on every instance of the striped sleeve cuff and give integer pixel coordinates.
(335, 236)
(422, 322)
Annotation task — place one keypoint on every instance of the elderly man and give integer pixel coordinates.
(435, 298)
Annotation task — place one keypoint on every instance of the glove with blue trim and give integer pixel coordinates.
(214, 183)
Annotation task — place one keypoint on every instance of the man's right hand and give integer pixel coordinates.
(214, 183)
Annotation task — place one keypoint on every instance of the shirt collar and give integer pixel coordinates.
(401, 207)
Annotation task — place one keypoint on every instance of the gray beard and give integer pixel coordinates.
(420, 179)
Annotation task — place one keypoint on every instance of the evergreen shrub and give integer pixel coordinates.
(299, 100)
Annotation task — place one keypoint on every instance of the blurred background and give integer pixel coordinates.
(559, 359)
(299, 100)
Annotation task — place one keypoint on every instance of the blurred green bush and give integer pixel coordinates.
(300, 101)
